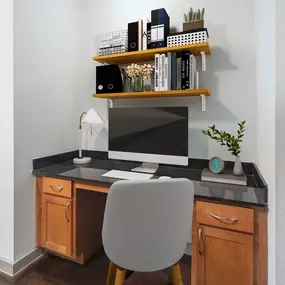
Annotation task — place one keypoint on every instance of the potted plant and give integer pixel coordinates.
(193, 20)
(229, 141)
(139, 73)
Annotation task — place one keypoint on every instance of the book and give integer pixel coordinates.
(154, 21)
(133, 36)
(195, 82)
(149, 35)
(192, 72)
(140, 34)
(178, 60)
(156, 72)
(162, 70)
(166, 74)
(225, 177)
(160, 26)
(169, 70)
(183, 70)
(145, 21)
(173, 71)
(187, 70)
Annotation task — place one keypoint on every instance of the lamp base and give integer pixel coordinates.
(82, 160)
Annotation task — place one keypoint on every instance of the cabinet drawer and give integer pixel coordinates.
(57, 187)
(225, 216)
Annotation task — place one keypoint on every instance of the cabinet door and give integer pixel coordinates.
(57, 224)
(224, 257)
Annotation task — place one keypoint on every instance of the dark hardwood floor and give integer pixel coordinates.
(53, 270)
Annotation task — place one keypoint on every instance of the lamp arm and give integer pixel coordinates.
(80, 120)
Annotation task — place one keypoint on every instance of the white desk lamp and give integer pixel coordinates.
(91, 117)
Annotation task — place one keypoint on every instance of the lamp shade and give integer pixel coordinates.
(92, 117)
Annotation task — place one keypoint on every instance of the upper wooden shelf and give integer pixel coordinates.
(148, 55)
(155, 94)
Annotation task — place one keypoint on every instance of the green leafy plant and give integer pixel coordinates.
(194, 15)
(226, 139)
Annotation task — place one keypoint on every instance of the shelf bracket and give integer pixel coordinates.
(110, 103)
(203, 57)
(203, 102)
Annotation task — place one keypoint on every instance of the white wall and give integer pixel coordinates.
(47, 44)
(231, 73)
(6, 137)
(280, 145)
(265, 143)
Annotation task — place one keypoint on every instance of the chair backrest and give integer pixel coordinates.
(147, 223)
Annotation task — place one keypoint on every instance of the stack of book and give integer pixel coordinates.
(175, 71)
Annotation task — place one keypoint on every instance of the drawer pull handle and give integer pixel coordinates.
(235, 219)
(199, 242)
(56, 188)
(66, 212)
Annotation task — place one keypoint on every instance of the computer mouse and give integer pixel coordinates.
(164, 177)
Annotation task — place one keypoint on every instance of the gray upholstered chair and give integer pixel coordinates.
(147, 225)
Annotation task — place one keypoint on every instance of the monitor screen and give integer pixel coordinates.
(158, 131)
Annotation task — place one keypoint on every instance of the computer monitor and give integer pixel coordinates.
(149, 135)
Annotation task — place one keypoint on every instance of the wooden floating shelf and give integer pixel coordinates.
(148, 55)
(155, 94)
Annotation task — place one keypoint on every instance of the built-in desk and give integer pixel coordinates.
(70, 204)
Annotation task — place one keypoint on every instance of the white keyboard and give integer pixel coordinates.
(127, 175)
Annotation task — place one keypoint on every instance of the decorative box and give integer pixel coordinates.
(188, 38)
(193, 25)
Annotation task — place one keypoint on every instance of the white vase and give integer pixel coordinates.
(238, 167)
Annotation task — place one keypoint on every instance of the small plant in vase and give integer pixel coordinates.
(194, 20)
(139, 73)
(229, 141)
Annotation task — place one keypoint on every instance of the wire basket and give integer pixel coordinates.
(111, 43)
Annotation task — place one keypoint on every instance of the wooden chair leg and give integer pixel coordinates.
(176, 273)
(120, 276)
(111, 273)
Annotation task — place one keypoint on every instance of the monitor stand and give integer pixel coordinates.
(147, 167)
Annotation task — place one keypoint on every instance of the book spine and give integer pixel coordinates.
(154, 23)
(187, 63)
(162, 67)
(163, 23)
(160, 27)
(173, 71)
(169, 70)
(140, 34)
(179, 71)
(191, 72)
(133, 37)
(148, 35)
(195, 73)
(156, 72)
(144, 33)
(183, 70)
(166, 74)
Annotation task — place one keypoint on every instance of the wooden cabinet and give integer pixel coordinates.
(224, 245)
(224, 257)
(57, 224)
(229, 243)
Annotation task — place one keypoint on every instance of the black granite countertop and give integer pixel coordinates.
(255, 193)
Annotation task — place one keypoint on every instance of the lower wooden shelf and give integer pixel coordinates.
(155, 94)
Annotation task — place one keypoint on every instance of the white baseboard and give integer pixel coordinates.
(12, 269)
